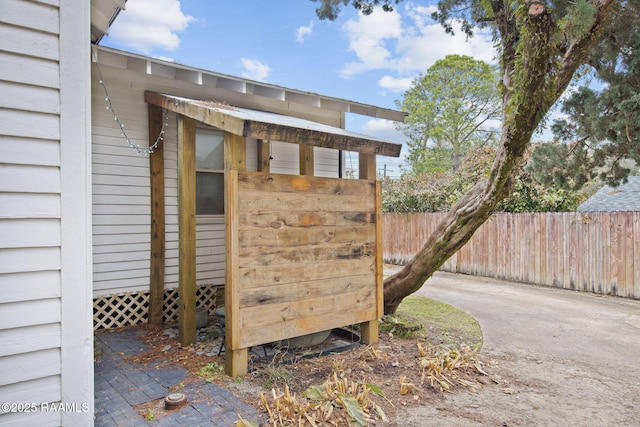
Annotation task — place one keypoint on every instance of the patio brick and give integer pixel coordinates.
(120, 385)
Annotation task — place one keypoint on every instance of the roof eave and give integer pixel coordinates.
(299, 131)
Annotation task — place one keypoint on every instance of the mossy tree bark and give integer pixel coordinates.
(537, 65)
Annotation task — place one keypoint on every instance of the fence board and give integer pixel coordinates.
(596, 252)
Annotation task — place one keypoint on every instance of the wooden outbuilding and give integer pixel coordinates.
(303, 253)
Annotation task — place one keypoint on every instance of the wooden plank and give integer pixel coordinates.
(274, 274)
(305, 236)
(236, 362)
(261, 202)
(316, 138)
(187, 230)
(302, 326)
(628, 252)
(264, 156)
(253, 182)
(636, 255)
(292, 292)
(369, 330)
(366, 166)
(617, 256)
(277, 315)
(235, 152)
(273, 255)
(156, 169)
(280, 219)
(236, 357)
(367, 171)
(306, 160)
(606, 253)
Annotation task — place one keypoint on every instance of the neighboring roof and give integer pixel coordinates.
(272, 127)
(103, 13)
(625, 197)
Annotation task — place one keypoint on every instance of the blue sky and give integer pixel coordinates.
(370, 59)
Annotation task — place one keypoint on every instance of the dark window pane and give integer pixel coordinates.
(209, 193)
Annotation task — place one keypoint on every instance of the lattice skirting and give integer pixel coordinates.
(131, 308)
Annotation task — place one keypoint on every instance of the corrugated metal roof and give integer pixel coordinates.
(624, 198)
(275, 127)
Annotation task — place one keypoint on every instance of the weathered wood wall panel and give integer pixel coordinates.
(305, 256)
(594, 252)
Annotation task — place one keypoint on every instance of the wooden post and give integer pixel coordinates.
(367, 170)
(186, 230)
(264, 156)
(236, 359)
(306, 160)
(156, 169)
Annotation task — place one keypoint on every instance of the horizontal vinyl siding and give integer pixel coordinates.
(30, 186)
(46, 389)
(326, 162)
(29, 339)
(121, 193)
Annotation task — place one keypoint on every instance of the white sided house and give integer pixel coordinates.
(237, 124)
(95, 232)
(46, 334)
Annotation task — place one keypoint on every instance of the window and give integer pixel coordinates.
(209, 172)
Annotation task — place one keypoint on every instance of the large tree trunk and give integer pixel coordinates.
(533, 81)
(453, 231)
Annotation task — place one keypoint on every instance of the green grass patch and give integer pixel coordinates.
(419, 317)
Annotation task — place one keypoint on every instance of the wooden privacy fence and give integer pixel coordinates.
(595, 252)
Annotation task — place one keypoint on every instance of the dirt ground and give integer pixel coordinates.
(406, 374)
(487, 389)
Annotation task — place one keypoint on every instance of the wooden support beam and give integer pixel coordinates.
(156, 169)
(236, 362)
(236, 358)
(306, 160)
(235, 152)
(367, 170)
(264, 156)
(367, 166)
(186, 230)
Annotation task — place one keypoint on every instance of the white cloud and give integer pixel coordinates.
(254, 69)
(395, 84)
(303, 31)
(406, 43)
(383, 129)
(148, 24)
(368, 39)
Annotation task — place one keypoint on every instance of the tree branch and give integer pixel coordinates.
(578, 50)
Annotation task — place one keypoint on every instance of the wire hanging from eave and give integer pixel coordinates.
(136, 147)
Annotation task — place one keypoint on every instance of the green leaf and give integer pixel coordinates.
(377, 390)
(381, 414)
(315, 393)
(353, 408)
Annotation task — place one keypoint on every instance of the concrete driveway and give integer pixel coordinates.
(562, 357)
